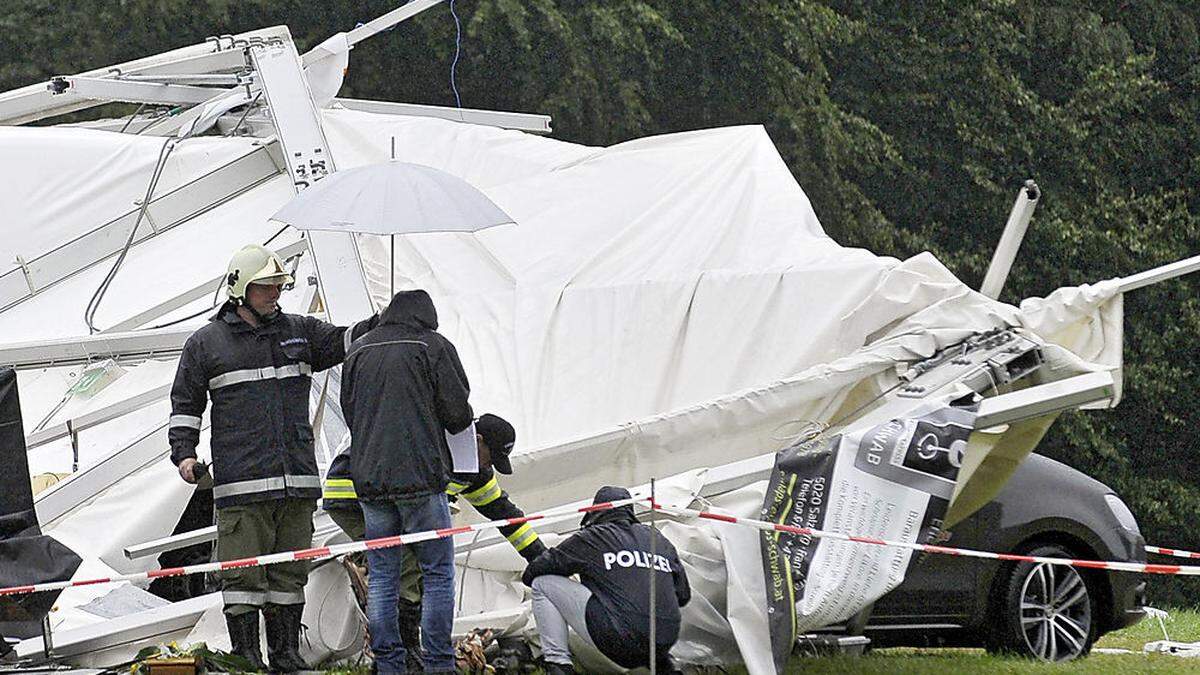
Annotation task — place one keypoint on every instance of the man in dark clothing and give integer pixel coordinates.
(611, 608)
(255, 363)
(494, 439)
(403, 390)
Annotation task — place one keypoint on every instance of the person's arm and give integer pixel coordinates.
(347, 395)
(683, 590)
(493, 503)
(451, 390)
(564, 560)
(331, 343)
(189, 398)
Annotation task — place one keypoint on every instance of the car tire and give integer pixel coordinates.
(1025, 623)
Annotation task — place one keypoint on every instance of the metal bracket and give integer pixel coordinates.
(989, 360)
(28, 277)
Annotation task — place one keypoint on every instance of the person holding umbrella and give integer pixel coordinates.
(403, 390)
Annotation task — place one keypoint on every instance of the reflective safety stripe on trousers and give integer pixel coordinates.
(257, 374)
(265, 485)
(188, 421)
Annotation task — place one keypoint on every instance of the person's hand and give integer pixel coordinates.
(186, 470)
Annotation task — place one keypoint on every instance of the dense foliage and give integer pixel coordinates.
(910, 125)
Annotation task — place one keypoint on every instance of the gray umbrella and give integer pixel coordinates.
(389, 199)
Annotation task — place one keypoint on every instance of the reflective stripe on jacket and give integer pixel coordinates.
(259, 380)
(481, 490)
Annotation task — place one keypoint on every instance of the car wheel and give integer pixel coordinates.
(1043, 611)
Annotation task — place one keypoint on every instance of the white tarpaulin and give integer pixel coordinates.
(662, 305)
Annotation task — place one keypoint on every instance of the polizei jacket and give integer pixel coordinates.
(611, 555)
(403, 388)
(259, 381)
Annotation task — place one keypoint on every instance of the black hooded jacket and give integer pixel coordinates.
(403, 387)
(611, 555)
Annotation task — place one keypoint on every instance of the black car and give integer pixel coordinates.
(1049, 612)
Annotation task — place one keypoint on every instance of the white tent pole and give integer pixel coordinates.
(1153, 276)
(1010, 241)
(392, 261)
(653, 574)
(382, 23)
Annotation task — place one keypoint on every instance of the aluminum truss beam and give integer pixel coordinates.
(1175, 269)
(162, 624)
(81, 487)
(136, 345)
(35, 102)
(210, 79)
(1045, 399)
(171, 543)
(306, 151)
(128, 345)
(165, 212)
(108, 90)
(207, 288)
(384, 22)
(1010, 240)
(96, 417)
(531, 122)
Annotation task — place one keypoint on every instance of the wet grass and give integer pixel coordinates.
(1181, 625)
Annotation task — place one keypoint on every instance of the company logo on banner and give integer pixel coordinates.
(891, 481)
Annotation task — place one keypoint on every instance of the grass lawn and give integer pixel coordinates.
(1183, 625)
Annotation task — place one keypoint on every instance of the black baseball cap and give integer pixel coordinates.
(500, 437)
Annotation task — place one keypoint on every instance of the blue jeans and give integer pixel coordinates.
(436, 557)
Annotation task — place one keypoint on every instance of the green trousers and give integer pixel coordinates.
(354, 525)
(248, 530)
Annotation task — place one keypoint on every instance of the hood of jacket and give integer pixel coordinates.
(411, 309)
(620, 515)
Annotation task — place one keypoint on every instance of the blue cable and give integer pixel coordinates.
(457, 48)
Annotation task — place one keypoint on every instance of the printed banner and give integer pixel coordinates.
(891, 481)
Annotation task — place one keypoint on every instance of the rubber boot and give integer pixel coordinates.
(243, 634)
(409, 616)
(283, 638)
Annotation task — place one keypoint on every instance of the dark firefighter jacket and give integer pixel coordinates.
(403, 388)
(479, 489)
(259, 381)
(611, 555)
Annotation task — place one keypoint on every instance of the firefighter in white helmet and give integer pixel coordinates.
(255, 362)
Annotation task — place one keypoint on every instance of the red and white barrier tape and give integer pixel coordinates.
(317, 553)
(1177, 553)
(1143, 568)
(323, 552)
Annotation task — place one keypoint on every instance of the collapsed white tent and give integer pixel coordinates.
(664, 305)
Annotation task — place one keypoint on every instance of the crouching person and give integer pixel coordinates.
(610, 609)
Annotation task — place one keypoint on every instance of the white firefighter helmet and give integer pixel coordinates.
(254, 264)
